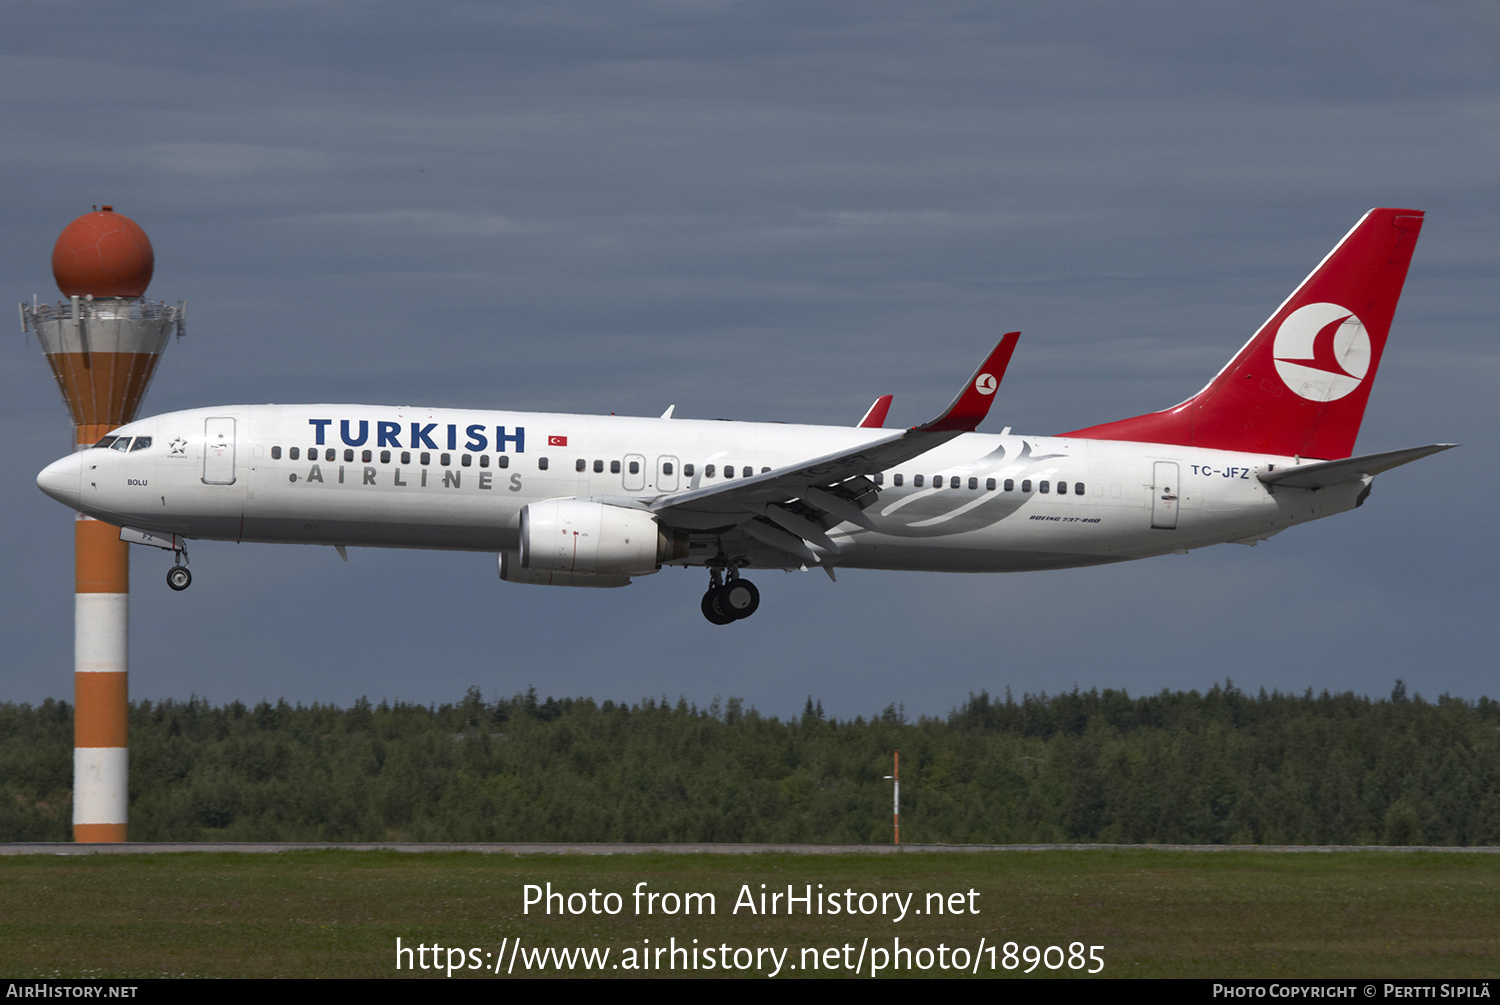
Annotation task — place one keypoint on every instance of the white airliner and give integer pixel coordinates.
(579, 500)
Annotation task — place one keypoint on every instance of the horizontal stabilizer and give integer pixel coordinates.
(1325, 473)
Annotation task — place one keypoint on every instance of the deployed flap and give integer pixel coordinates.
(1325, 473)
(735, 503)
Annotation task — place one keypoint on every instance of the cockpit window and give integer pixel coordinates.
(106, 442)
(122, 444)
(141, 443)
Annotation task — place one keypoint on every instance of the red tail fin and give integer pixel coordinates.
(1299, 387)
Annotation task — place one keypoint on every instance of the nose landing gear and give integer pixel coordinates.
(178, 576)
(731, 601)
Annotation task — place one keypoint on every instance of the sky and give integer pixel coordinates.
(765, 211)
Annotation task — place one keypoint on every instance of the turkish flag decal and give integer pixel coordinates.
(557, 441)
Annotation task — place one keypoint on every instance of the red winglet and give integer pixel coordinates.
(973, 403)
(875, 417)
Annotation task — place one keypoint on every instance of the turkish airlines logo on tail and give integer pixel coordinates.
(1322, 351)
(986, 383)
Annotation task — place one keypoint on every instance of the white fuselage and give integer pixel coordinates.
(458, 479)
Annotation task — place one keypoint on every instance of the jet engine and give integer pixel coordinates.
(585, 538)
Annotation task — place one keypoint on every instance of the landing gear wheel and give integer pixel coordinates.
(711, 610)
(178, 578)
(739, 598)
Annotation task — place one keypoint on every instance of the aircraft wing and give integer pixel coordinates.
(833, 488)
(1325, 473)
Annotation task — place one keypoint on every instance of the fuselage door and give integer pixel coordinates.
(1164, 495)
(218, 451)
(634, 474)
(666, 474)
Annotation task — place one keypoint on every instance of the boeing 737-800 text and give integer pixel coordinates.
(578, 500)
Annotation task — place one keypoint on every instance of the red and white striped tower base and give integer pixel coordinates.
(103, 345)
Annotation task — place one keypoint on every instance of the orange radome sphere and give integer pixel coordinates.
(104, 254)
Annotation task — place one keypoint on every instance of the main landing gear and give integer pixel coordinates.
(729, 601)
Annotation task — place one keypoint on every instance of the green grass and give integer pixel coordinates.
(1156, 913)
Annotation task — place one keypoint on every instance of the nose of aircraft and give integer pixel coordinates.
(61, 478)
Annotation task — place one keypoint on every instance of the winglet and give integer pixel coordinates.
(973, 403)
(875, 417)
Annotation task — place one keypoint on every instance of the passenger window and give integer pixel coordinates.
(466, 460)
(635, 467)
(764, 470)
(666, 468)
(687, 469)
(406, 457)
(1010, 484)
(614, 467)
(365, 457)
(896, 480)
(1026, 485)
(1062, 488)
(348, 455)
(953, 482)
(729, 471)
(122, 444)
(1078, 488)
(293, 453)
(484, 460)
(1042, 487)
(917, 480)
(385, 457)
(880, 478)
(598, 467)
(106, 441)
(989, 484)
(708, 471)
(276, 453)
(973, 483)
(330, 454)
(541, 464)
(444, 459)
(141, 443)
(503, 461)
(424, 458)
(580, 465)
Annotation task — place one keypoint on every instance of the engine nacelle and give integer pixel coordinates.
(512, 572)
(584, 538)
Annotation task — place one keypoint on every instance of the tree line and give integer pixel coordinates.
(1217, 767)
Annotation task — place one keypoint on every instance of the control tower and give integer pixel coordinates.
(103, 344)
